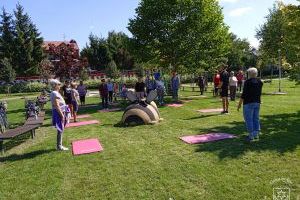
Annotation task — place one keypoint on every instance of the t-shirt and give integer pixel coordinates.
(56, 95)
(67, 93)
(140, 87)
(252, 91)
(240, 77)
(217, 79)
(75, 95)
(233, 81)
(225, 79)
(110, 87)
(81, 90)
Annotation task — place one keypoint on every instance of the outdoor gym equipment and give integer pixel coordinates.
(141, 112)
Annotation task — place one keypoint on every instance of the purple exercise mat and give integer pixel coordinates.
(210, 137)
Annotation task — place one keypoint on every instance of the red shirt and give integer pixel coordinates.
(239, 77)
(217, 79)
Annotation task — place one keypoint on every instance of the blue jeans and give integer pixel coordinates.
(175, 94)
(251, 116)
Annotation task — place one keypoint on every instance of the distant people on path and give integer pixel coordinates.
(75, 100)
(232, 86)
(240, 78)
(224, 84)
(60, 113)
(160, 88)
(66, 91)
(103, 91)
(110, 87)
(124, 91)
(201, 84)
(116, 91)
(81, 88)
(217, 81)
(175, 84)
(140, 89)
(251, 100)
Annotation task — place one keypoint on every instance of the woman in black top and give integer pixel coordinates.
(251, 99)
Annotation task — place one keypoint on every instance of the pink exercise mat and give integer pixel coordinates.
(110, 110)
(176, 105)
(83, 123)
(86, 146)
(82, 116)
(210, 110)
(210, 137)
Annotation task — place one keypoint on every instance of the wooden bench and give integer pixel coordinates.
(193, 87)
(12, 133)
(30, 125)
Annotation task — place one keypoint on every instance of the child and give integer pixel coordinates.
(124, 92)
(103, 90)
(75, 100)
(60, 113)
(81, 88)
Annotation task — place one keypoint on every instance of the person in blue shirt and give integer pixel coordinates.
(175, 86)
(110, 88)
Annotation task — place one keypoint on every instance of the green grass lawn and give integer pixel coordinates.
(150, 162)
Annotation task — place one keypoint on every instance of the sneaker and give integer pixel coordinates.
(62, 148)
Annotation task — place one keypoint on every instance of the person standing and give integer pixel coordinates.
(81, 88)
(217, 80)
(75, 100)
(66, 91)
(240, 78)
(103, 91)
(160, 88)
(148, 84)
(140, 89)
(201, 84)
(110, 88)
(116, 91)
(59, 113)
(232, 86)
(224, 84)
(175, 83)
(251, 100)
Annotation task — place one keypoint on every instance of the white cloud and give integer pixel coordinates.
(228, 1)
(240, 11)
(254, 42)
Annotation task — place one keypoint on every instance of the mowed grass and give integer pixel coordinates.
(150, 162)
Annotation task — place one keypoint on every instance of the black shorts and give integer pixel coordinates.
(224, 92)
(82, 98)
(68, 101)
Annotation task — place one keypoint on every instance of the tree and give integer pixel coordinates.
(27, 45)
(96, 52)
(179, 32)
(8, 74)
(6, 36)
(118, 45)
(46, 69)
(112, 70)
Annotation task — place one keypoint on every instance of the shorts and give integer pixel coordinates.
(82, 98)
(224, 92)
(75, 106)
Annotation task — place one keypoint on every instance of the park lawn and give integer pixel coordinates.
(150, 162)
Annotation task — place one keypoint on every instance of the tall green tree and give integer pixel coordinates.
(27, 45)
(6, 36)
(112, 70)
(96, 52)
(7, 74)
(179, 32)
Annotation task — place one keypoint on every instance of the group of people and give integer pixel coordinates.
(65, 100)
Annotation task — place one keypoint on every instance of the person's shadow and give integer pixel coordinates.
(30, 155)
(280, 134)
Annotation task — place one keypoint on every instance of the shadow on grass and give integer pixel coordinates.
(30, 155)
(280, 133)
(203, 116)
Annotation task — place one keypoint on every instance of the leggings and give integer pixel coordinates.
(59, 139)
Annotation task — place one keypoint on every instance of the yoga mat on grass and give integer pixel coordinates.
(86, 146)
(81, 116)
(210, 110)
(209, 137)
(83, 123)
(110, 110)
(175, 105)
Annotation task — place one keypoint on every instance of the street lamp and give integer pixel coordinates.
(279, 68)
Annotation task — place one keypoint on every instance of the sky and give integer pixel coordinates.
(76, 19)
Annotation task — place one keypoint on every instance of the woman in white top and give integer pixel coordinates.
(60, 112)
(233, 86)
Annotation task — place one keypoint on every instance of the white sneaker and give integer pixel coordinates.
(62, 148)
